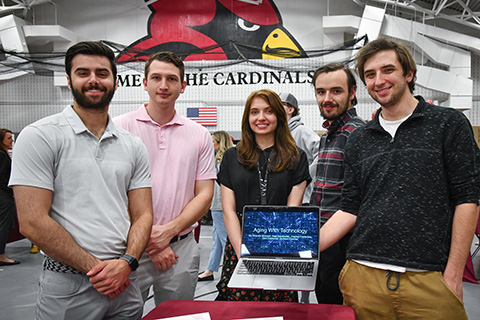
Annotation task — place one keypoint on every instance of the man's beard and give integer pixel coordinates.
(87, 103)
(341, 109)
(395, 98)
(325, 116)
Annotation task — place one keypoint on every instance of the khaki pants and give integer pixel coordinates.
(66, 296)
(178, 282)
(419, 295)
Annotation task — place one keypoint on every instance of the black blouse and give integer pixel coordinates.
(5, 167)
(245, 182)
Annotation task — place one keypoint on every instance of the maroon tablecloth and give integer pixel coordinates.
(223, 310)
(469, 272)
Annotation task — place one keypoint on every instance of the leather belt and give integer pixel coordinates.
(178, 238)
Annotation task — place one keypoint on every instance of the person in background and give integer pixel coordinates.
(183, 173)
(83, 194)
(221, 142)
(266, 167)
(335, 88)
(6, 143)
(34, 249)
(410, 197)
(305, 138)
(7, 203)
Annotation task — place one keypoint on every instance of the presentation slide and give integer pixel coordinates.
(285, 233)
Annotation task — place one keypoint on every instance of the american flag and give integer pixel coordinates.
(202, 115)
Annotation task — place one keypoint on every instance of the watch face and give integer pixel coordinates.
(132, 262)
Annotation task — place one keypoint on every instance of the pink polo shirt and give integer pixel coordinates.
(181, 152)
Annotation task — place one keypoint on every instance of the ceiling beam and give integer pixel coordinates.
(436, 10)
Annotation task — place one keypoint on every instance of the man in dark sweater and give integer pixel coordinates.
(411, 191)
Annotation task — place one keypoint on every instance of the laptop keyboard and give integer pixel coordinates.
(287, 268)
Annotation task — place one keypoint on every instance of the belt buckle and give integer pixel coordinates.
(175, 239)
(179, 237)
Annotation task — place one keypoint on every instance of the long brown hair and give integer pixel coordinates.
(224, 143)
(2, 136)
(285, 153)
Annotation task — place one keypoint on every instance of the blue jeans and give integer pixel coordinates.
(219, 235)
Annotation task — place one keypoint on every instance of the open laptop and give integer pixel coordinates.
(278, 237)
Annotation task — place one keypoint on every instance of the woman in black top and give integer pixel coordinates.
(7, 204)
(266, 167)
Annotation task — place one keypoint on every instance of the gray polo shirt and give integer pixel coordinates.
(89, 177)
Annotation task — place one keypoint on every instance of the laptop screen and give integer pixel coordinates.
(280, 231)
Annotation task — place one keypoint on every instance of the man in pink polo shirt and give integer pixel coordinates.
(183, 173)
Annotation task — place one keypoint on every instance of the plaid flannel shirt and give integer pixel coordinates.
(328, 180)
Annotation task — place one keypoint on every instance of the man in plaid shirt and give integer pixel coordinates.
(335, 89)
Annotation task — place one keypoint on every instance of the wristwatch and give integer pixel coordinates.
(132, 262)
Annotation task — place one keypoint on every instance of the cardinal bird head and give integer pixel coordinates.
(255, 31)
(215, 30)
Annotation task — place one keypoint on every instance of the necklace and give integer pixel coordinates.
(263, 182)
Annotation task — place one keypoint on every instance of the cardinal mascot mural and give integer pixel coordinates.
(214, 30)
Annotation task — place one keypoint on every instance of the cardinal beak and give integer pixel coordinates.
(279, 45)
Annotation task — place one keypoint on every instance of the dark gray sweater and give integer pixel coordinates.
(404, 190)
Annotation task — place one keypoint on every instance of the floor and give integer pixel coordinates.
(18, 284)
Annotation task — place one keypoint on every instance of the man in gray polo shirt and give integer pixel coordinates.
(82, 189)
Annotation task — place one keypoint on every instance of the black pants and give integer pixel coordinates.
(332, 261)
(7, 218)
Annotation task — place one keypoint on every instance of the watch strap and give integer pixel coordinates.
(132, 261)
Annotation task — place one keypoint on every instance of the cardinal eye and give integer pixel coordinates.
(247, 26)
